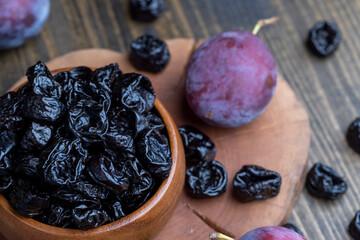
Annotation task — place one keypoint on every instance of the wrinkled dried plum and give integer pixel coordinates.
(43, 109)
(5, 182)
(253, 182)
(106, 76)
(153, 149)
(11, 105)
(354, 226)
(28, 165)
(65, 162)
(26, 199)
(7, 143)
(59, 216)
(36, 137)
(206, 179)
(353, 135)
(135, 92)
(149, 53)
(103, 171)
(198, 147)
(324, 182)
(86, 217)
(146, 10)
(42, 82)
(114, 210)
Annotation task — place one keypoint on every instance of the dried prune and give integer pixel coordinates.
(59, 216)
(353, 135)
(324, 182)
(149, 53)
(26, 199)
(293, 227)
(153, 149)
(114, 210)
(324, 38)
(28, 165)
(354, 226)
(86, 217)
(135, 92)
(104, 172)
(146, 10)
(206, 179)
(106, 76)
(198, 147)
(36, 137)
(253, 182)
(7, 143)
(43, 109)
(42, 82)
(5, 182)
(65, 162)
(11, 105)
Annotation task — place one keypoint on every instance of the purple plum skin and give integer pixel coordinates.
(230, 79)
(21, 19)
(272, 233)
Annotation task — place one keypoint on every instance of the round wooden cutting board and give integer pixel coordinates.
(278, 140)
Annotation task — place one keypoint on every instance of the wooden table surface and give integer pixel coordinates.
(329, 88)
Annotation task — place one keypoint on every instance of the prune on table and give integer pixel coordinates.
(42, 82)
(149, 53)
(135, 92)
(293, 227)
(37, 136)
(65, 162)
(104, 172)
(27, 165)
(198, 146)
(324, 182)
(353, 135)
(324, 38)
(5, 182)
(11, 115)
(26, 199)
(146, 10)
(46, 110)
(106, 76)
(153, 149)
(206, 179)
(354, 226)
(253, 182)
(87, 216)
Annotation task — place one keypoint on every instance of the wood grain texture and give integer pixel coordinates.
(278, 140)
(329, 88)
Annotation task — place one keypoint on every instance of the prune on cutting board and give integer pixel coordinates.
(253, 182)
(88, 216)
(206, 179)
(153, 149)
(324, 38)
(36, 137)
(26, 198)
(198, 146)
(11, 114)
(146, 10)
(324, 182)
(7, 143)
(46, 110)
(353, 135)
(149, 53)
(65, 162)
(42, 82)
(354, 226)
(104, 172)
(135, 92)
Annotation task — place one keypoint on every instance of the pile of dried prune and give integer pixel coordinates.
(81, 148)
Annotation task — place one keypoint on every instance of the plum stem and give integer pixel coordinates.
(219, 236)
(263, 22)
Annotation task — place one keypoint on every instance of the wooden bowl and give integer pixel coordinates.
(142, 224)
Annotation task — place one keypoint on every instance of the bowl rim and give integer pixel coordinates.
(128, 219)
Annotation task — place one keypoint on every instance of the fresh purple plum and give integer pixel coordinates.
(21, 19)
(231, 79)
(272, 233)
